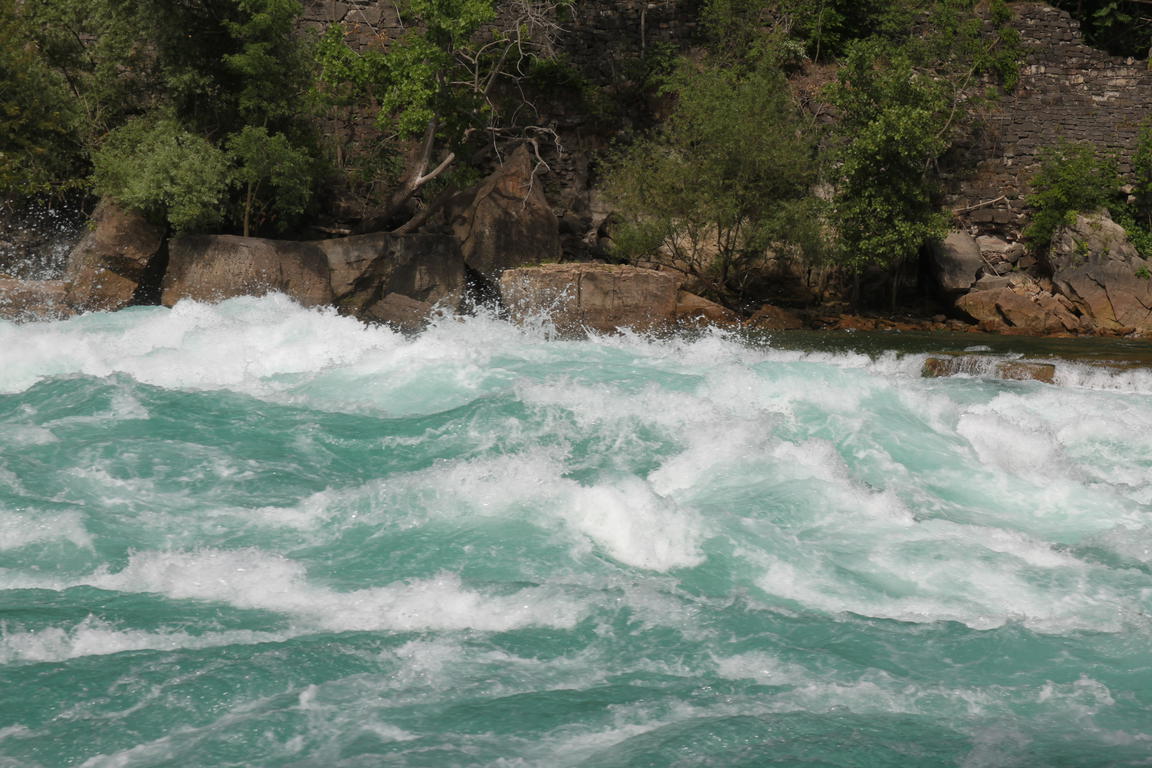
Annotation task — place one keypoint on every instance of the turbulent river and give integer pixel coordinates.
(252, 534)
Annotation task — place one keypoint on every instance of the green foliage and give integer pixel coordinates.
(1142, 175)
(434, 71)
(184, 79)
(1073, 178)
(271, 66)
(825, 27)
(724, 178)
(893, 125)
(269, 160)
(455, 79)
(39, 151)
(1121, 27)
(152, 164)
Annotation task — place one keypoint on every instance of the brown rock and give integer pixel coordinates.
(1016, 304)
(108, 265)
(217, 267)
(399, 311)
(506, 222)
(1099, 270)
(972, 365)
(599, 297)
(24, 300)
(772, 318)
(694, 309)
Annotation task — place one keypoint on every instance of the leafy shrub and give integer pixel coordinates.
(720, 180)
(153, 165)
(1073, 178)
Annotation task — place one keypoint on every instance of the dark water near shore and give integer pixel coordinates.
(1112, 351)
(253, 534)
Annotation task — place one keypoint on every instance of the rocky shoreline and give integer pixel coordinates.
(501, 240)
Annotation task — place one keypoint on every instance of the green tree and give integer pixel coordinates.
(893, 124)
(268, 160)
(446, 89)
(40, 152)
(1073, 178)
(194, 74)
(725, 178)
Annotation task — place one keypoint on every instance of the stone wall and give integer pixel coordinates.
(1067, 91)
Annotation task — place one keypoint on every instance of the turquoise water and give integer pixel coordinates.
(253, 534)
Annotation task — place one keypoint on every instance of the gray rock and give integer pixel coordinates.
(423, 267)
(956, 262)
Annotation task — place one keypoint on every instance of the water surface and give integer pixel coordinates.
(253, 534)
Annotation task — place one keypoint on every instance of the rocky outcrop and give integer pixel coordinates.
(506, 222)
(419, 269)
(218, 267)
(1018, 304)
(107, 267)
(1098, 269)
(956, 262)
(597, 297)
(23, 300)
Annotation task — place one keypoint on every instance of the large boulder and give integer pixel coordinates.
(23, 300)
(598, 297)
(108, 265)
(218, 267)
(506, 222)
(1096, 266)
(1017, 304)
(422, 268)
(956, 262)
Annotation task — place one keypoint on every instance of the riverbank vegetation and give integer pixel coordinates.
(228, 116)
(859, 190)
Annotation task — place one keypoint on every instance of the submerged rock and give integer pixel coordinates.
(974, 365)
(107, 267)
(599, 297)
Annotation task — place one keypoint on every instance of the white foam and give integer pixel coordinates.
(94, 637)
(637, 527)
(19, 529)
(252, 579)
